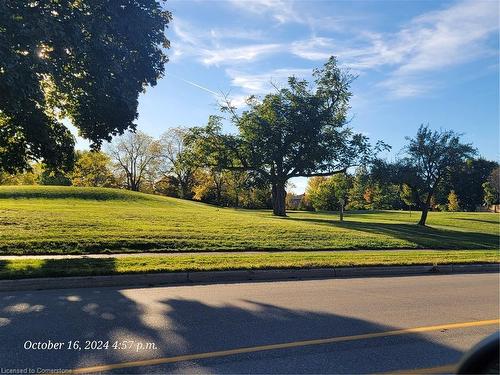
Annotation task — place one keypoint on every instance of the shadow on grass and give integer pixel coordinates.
(58, 267)
(177, 323)
(497, 221)
(422, 237)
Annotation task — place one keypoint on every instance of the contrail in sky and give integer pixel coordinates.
(196, 85)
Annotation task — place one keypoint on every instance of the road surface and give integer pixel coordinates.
(322, 326)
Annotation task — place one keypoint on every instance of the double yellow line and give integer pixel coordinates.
(287, 345)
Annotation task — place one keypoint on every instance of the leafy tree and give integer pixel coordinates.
(53, 177)
(93, 168)
(360, 185)
(491, 195)
(430, 158)
(453, 203)
(167, 185)
(86, 61)
(136, 157)
(296, 131)
(328, 193)
(467, 182)
(385, 196)
(492, 188)
(178, 160)
(494, 179)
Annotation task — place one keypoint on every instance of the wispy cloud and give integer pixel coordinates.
(282, 11)
(218, 56)
(217, 46)
(263, 82)
(432, 41)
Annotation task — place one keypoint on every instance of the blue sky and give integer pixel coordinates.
(434, 62)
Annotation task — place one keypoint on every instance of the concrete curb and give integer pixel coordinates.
(207, 277)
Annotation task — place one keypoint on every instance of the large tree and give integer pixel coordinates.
(86, 61)
(178, 161)
(296, 131)
(430, 157)
(137, 158)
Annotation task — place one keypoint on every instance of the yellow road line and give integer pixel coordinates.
(287, 345)
(446, 369)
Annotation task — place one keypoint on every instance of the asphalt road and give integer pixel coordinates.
(139, 330)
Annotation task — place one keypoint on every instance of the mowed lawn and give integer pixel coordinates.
(70, 220)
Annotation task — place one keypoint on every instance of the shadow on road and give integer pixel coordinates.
(181, 326)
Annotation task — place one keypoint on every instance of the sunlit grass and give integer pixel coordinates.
(69, 220)
(26, 268)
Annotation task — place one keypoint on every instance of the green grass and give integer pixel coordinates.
(28, 268)
(69, 220)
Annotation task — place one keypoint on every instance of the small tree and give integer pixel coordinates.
(492, 188)
(453, 203)
(491, 195)
(93, 168)
(136, 156)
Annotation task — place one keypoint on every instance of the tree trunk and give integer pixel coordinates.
(278, 199)
(425, 210)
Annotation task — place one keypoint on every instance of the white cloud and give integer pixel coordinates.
(210, 47)
(261, 83)
(246, 53)
(281, 10)
(430, 42)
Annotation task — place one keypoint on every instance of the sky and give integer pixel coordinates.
(416, 62)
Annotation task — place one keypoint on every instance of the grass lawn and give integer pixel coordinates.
(26, 268)
(69, 220)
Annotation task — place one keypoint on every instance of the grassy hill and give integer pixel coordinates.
(70, 220)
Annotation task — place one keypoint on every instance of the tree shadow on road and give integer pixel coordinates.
(180, 326)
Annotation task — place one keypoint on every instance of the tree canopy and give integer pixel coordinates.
(298, 130)
(430, 157)
(86, 61)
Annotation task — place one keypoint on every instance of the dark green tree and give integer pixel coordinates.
(295, 131)
(86, 61)
(431, 156)
(467, 182)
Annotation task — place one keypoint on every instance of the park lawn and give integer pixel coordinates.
(70, 220)
(36, 267)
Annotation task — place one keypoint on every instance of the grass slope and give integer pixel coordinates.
(70, 220)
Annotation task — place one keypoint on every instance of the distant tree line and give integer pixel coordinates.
(299, 130)
(167, 166)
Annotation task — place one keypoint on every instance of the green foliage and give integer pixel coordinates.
(453, 203)
(467, 181)
(491, 195)
(82, 60)
(430, 158)
(293, 132)
(360, 184)
(93, 168)
(59, 220)
(492, 188)
(50, 177)
(325, 194)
